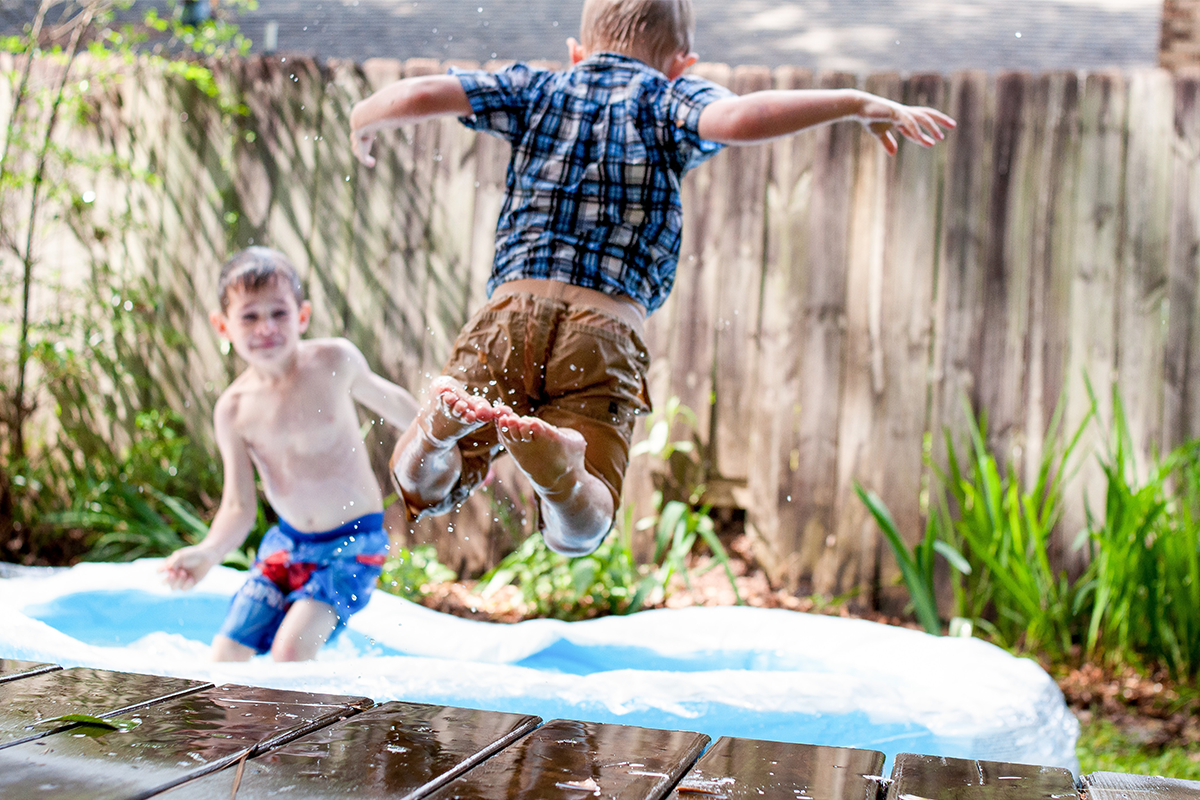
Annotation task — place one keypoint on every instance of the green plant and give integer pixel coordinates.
(682, 469)
(559, 587)
(134, 503)
(407, 572)
(916, 566)
(610, 580)
(1012, 591)
(94, 348)
(679, 517)
(676, 530)
(1143, 582)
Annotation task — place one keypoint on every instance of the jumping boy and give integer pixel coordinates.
(291, 415)
(552, 369)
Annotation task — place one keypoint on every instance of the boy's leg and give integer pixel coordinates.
(426, 461)
(226, 649)
(577, 506)
(304, 630)
(574, 447)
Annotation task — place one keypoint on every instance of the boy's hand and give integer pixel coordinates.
(882, 117)
(185, 567)
(361, 142)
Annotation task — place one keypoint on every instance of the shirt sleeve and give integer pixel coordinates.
(686, 97)
(498, 99)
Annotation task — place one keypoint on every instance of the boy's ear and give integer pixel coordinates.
(219, 323)
(304, 315)
(575, 51)
(679, 64)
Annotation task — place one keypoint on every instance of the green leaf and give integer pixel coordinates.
(952, 556)
(920, 593)
(111, 724)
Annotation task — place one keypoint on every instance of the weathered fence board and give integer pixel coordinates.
(1181, 379)
(834, 309)
(738, 245)
(1096, 232)
(959, 305)
(1142, 286)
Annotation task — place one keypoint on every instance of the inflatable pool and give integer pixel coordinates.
(730, 671)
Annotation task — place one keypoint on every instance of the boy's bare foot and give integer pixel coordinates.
(450, 412)
(551, 457)
(577, 506)
(426, 462)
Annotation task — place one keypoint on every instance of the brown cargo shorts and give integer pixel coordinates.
(565, 361)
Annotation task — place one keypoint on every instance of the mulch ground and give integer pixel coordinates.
(1151, 710)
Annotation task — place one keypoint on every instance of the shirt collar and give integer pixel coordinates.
(608, 59)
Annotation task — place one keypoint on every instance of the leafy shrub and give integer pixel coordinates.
(1142, 587)
(559, 587)
(916, 566)
(407, 572)
(610, 580)
(1003, 530)
(103, 472)
(1138, 600)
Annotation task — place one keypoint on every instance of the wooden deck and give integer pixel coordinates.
(181, 739)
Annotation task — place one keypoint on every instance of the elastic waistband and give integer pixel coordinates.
(628, 311)
(364, 524)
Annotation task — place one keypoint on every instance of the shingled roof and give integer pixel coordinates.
(851, 35)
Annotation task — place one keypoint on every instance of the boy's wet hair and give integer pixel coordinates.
(252, 269)
(649, 30)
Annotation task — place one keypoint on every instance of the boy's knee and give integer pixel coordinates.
(287, 651)
(226, 649)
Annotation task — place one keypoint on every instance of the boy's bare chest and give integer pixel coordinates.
(298, 422)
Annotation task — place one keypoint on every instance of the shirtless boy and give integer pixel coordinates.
(552, 369)
(291, 416)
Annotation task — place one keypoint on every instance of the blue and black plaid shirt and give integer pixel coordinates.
(598, 152)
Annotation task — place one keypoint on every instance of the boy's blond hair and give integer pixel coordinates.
(649, 30)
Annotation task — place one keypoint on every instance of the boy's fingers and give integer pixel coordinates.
(883, 132)
(361, 143)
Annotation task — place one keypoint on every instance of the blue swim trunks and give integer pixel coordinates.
(337, 567)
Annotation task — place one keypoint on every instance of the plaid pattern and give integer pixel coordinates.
(598, 152)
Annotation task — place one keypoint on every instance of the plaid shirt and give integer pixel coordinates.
(598, 152)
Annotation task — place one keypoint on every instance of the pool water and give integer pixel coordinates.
(120, 617)
(754, 673)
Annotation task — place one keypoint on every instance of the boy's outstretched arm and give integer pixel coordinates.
(236, 514)
(404, 102)
(769, 114)
(391, 402)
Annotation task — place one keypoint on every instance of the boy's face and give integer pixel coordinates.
(264, 324)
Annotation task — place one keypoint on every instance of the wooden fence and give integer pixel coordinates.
(833, 307)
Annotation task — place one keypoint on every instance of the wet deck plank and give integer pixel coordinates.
(1117, 786)
(964, 779)
(12, 669)
(396, 750)
(174, 741)
(579, 760)
(752, 769)
(32, 701)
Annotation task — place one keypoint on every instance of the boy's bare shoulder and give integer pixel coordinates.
(330, 351)
(225, 410)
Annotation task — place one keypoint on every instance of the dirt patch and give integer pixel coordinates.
(1152, 710)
